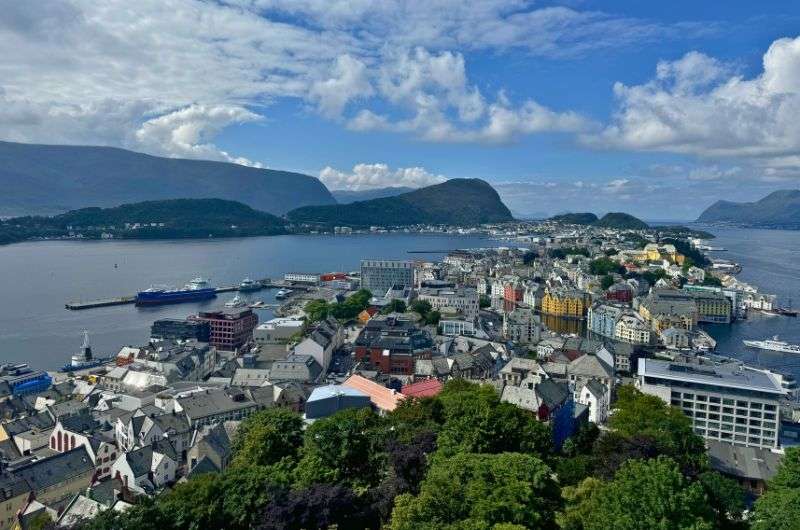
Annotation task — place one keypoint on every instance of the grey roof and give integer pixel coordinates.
(596, 387)
(204, 465)
(552, 394)
(296, 368)
(81, 423)
(216, 439)
(172, 422)
(12, 485)
(140, 460)
(590, 366)
(743, 462)
(210, 403)
(39, 421)
(67, 408)
(56, 469)
(721, 376)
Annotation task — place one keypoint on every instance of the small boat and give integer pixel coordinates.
(773, 345)
(283, 293)
(236, 301)
(248, 285)
(83, 359)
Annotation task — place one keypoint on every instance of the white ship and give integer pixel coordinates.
(236, 301)
(773, 345)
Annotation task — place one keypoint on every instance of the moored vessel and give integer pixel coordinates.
(195, 290)
(773, 344)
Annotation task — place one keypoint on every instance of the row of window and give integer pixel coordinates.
(702, 398)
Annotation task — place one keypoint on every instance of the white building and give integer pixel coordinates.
(277, 330)
(457, 326)
(727, 403)
(595, 396)
(301, 277)
(327, 337)
(378, 276)
(632, 328)
(464, 300)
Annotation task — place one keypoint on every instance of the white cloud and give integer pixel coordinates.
(445, 107)
(696, 106)
(188, 132)
(99, 72)
(349, 81)
(370, 176)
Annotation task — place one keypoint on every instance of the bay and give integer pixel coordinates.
(38, 278)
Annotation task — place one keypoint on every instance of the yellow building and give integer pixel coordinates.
(654, 252)
(14, 494)
(565, 303)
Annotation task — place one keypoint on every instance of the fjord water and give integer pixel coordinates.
(38, 278)
(770, 260)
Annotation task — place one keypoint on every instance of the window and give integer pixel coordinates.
(713, 399)
(755, 405)
(700, 397)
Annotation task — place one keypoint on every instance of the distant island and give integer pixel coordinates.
(616, 220)
(348, 196)
(580, 218)
(168, 219)
(779, 209)
(52, 179)
(454, 202)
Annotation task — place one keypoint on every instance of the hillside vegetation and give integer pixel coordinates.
(176, 218)
(456, 202)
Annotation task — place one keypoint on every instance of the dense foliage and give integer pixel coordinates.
(455, 202)
(621, 221)
(602, 266)
(428, 314)
(462, 460)
(581, 218)
(685, 248)
(349, 309)
(181, 218)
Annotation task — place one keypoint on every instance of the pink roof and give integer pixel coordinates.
(380, 396)
(426, 388)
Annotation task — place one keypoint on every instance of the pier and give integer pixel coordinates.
(124, 300)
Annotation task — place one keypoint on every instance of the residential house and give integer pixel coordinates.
(147, 469)
(595, 395)
(326, 337)
(59, 477)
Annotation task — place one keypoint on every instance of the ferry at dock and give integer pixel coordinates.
(195, 290)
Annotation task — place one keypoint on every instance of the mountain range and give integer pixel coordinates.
(456, 201)
(779, 209)
(51, 179)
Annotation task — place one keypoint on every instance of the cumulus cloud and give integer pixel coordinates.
(445, 107)
(370, 176)
(696, 106)
(102, 72)
(188, 132)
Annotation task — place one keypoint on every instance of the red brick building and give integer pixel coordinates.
(513, 293)
(392, 345)
(620, 292)
(231, 329)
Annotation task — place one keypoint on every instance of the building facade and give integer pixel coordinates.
(230, 329)
(730, 404)
(464, 300)
(568, 303)
(378, 276)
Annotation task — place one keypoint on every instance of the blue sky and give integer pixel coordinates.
(655, 108)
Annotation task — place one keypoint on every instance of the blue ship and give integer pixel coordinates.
(195, 290)
(84, 359)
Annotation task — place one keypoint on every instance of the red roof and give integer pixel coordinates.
(426, 388)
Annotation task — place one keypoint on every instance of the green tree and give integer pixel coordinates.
(395, 306)
(646, 495)
(725, 496)
(317, 310)
(779, 507)
(479, 491)
(606, 282)
(267, 437)
(642, 415)
(484, 301)
(476, 421)
(423, 307)
(604, 265)
(348, 447)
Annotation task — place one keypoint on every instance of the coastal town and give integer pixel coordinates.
(556, 321)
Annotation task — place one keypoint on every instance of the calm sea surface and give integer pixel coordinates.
(36, 279)
(770, 260)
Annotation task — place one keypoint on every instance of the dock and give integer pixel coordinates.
(124, 300)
